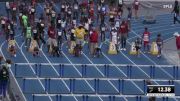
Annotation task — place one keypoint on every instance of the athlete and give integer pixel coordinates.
(136, 8)
(159, 42)
(146, 39)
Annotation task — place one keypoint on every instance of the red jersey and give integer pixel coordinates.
(52, 33)
(123, 28)
(94, 37)
(178, 42)
(146, 36)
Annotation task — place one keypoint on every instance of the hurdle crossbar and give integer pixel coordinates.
(111, 65)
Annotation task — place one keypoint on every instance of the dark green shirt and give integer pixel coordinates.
(4, 74)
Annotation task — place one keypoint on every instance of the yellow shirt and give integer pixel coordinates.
(80, 33)
(11, 43)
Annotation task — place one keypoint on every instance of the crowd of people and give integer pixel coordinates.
(77, 23)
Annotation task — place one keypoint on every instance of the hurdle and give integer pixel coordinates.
(38, 68)
(68, 64)
(96, 84)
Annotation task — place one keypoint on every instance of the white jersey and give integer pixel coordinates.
(136, 3)
(103, 28)
(86, 26)
(76, 7)
(120, 2)
(7, 5)
(74, 22)
(117, 24)
(3, 22)
(63, 24)
(89, 21)
(146, 37)
(114, 37)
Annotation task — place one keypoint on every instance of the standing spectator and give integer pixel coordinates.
(76, 8)
(176, 12)
(20, 21)
(114, 37)
(120, 10)
(146, 39)
(176, 34)
(32, 14)
(123, 34)
(13, 12)
(103, 30)
(41, 27)
(25, 22)
(112, 16)
(103, 14)
(117, 22)
(74, 22)
(120, 3)
(8, 9)
(102, 2)
(80, 35)
(58, 21)
(51, 38)
(63, 8)
(53, 17)
(28, 36)
(4, 78)
(69, 15)
(8, 29)
(129, 17)
(59, 38)
(63, 26)
(98, 12)
(86, 25)
(33, 2)
(93, 42)
(159, 42)
(136, 8)
(138, 44)
(3, 24)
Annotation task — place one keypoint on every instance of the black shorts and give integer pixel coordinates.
(137, 48)
(111, 19)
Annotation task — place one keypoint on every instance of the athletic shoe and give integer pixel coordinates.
(121, 49)
(124, 49)
(14, 55)
(158, 56)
